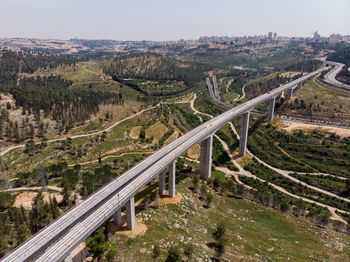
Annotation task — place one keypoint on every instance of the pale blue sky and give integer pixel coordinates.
(170, 20)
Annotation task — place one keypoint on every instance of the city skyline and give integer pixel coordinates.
(163, 20)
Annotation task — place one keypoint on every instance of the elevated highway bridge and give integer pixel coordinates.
(57, 240)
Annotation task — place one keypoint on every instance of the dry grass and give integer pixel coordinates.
(194, 152)
(242, 160)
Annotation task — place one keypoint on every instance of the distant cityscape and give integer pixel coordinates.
(76, 45)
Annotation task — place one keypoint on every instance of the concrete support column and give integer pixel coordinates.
(117, 217)
(205, 158)
(271, 108)
(130, 214)
(162, 182)
(68, 259)
(172, 170)
(299, 86)
(77, 201)
(289, 94)
(244, 134)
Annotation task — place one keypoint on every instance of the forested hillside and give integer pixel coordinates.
(154, 67)
(305, 66)
(264, 85)
(50, 94)
(341, 55)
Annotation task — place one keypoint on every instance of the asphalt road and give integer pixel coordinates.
(330, 76)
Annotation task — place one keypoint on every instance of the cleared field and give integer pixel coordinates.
(135, 132)
(291, 126)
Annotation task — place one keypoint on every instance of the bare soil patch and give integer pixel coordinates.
(156, 131)
(26, 199)
(140, 229)
(165, 199)
(291, 126)
(194, 152)
(135, 132)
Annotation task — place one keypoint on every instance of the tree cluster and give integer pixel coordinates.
(153, 67)
(304, 66)
(17, 224)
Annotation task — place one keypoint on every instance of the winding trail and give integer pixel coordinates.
(110, 156)
(55, 188)
(82, 135)
(228, 84)
(8, 149)
(235, 175)
(287, 173)
(241, 97)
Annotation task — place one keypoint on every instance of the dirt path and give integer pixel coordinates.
(55, 188)
(8, 149)
(228, 84)
(293, 125)
(287, 173)
(240, 97)
(109, 156)
(332, 210)
(195, 110)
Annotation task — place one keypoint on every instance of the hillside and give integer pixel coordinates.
(154, 67)
(254, 232)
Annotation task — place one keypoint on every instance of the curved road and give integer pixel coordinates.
(330, 77)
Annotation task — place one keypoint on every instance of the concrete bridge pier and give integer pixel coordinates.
(130, 214)
(162, 182)
(68, 258)
(271, 108)
(172, 170)
(244, 134)
(300, 85)
(290, 94)
(205, 158)
(117, 217)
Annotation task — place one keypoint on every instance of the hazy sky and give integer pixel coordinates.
(170, 19)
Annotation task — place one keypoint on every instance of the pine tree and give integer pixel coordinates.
(156, 252)
(174, 255)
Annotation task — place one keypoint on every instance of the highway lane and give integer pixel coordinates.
(158, 160)
(216, 97)
(330, 76)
